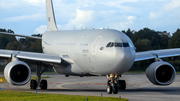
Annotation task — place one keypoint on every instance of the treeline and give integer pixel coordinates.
(18, 43)
(22, 44)
(7, 31)
(144, 40)
(147, 39)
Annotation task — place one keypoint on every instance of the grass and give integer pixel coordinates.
(28, 96)
(2, 80)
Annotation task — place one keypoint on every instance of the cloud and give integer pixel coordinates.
(85, 5)
(35, 2)
(6, 5)
(172, 5)
(124, 22)
(131, 19)
(23, 17)
(43, 28)
(82, 18)
(116, 3)
(153, 15)
(117, 14)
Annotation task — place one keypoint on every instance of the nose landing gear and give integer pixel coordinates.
(114, 84)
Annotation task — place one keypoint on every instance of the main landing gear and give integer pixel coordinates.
(39, 83)
(114, 84)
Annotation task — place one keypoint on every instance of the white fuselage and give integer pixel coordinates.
(86, 51)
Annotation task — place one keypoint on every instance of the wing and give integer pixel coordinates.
(20, 35)
(157, 54)
(50, 58)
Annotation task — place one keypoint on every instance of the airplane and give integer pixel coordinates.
(92, 52)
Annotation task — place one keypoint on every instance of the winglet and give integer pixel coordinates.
(51, 23)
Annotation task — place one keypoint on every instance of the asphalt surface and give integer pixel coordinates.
(139, 88)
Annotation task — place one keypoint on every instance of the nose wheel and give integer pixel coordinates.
(114, 84)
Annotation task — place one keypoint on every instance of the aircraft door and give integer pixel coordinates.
(95, 44)
(78, 44)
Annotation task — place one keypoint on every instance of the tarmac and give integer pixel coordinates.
(138, 87)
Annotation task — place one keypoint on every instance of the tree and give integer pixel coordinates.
(5, 39)
(164, 39)
(143, 45)
(3, 30)
(38, 35)
(14, 46)
(10, 31)
(151, 35)
(129, 33)
(174, 41)
(36, 46)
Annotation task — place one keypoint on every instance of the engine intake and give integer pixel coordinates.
(161, 73)
(17, 73)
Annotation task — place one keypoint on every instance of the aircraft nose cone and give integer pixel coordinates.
(124, 59)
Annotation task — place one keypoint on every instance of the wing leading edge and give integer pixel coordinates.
(157, 54)
(50, 58)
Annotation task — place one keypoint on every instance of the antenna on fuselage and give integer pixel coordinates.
(51, 22)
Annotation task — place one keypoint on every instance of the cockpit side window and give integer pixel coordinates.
(112, 44)
(108, 44)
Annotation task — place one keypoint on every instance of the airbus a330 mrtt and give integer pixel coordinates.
(93, 52)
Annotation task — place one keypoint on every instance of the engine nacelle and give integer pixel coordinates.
(17, 73)
(161, 73)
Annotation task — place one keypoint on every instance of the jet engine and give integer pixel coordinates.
(17, 73)
(161, 73)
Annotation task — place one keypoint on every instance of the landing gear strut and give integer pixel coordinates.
(114, 84)
(39, 83)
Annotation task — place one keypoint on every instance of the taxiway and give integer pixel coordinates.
(139, 88)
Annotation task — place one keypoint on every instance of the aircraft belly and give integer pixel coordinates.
(69, 70)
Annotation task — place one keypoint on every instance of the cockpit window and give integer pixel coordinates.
(116, 44)
(126, 44)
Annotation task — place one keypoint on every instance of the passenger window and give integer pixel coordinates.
(126, 44)
(118, 44)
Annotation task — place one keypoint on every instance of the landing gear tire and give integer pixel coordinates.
(115, 89)
(109, 89)
(43, 84)
(122, 84)
(33, 84)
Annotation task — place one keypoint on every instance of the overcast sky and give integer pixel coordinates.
(28, 17)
